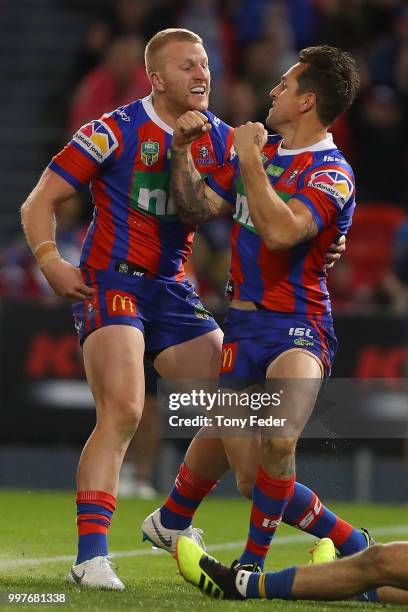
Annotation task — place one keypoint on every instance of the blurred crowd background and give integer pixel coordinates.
(63, 62)
(67, 61)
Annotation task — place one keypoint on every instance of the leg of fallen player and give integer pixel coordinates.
(383, 567)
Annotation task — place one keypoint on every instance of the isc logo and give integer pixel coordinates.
(300, 331)
(270, 524)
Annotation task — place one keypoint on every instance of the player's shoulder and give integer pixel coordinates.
(98, 138)
(332, 163)
(127, 115)
(220, 130)
(217, 123)
(332, 174)
(105, 138)
(221, 136)
(334, 158)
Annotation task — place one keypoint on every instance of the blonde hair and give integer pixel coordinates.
(159, 40)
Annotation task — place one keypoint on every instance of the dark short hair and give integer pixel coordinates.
(332, 75)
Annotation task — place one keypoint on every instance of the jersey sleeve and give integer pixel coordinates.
(327, 191)
(222, 136)
(92, 147)
(222, 179)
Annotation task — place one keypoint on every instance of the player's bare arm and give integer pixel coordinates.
(195, 201)
(38, 220)
(280, 225)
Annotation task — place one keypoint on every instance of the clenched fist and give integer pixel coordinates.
(189, 126)
(250, 138)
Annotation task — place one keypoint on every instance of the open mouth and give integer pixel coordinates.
(198, 91)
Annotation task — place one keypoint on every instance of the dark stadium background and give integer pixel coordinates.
(57, 58)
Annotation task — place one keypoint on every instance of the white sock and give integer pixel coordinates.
(241, 581)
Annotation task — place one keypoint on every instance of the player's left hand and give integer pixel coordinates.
(336, 250)
(250, 138)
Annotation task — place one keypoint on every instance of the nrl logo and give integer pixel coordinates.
(150, 153)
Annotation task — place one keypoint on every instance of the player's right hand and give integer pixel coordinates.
(189, 126)
(66, 280)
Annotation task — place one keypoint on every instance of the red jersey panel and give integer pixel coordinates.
(125, 157)
(291, 280)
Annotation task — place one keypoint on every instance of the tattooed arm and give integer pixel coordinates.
(195, 201)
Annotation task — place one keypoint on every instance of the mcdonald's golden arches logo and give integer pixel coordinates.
(120, 304)
(229, 351)
(123, 302)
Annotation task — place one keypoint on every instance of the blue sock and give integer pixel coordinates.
(269, 499)
(278, 585)
(306, 511)
(271, 585)
(183, 500)
(90, 546)
(94, 514)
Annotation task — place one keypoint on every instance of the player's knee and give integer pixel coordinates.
(279, 447)
(376, 559)
(386, 558)
(124, 415)
(129, 413)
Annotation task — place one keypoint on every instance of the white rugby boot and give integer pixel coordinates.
(162, 537)
(96, 573)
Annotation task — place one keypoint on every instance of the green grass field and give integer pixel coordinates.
(38, 539)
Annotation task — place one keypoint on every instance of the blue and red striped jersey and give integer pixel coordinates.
(125, 157)
(290, 280)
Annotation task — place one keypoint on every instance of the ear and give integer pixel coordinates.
(157, 81)
(308, 102)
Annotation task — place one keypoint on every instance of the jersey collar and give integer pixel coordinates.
(321, 145)
(149, 110)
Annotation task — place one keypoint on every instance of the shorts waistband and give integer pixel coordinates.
(126, 267)
(247, 305)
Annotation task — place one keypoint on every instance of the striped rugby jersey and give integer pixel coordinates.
(125, 157)
(291, 280)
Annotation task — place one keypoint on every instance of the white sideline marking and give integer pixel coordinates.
(139, 552)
